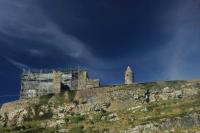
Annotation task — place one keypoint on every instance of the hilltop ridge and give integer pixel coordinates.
(143, 107)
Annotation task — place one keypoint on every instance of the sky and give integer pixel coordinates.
(160, 40)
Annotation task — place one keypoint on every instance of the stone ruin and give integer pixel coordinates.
(38, 83)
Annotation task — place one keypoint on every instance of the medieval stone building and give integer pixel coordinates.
(40, 83)
(128, 76)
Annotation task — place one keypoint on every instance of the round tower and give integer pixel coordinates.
(128, 76)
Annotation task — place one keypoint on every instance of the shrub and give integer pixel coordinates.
(97, 117)
(45, 99)
(72, 95)
(74, 119)
(60, 99)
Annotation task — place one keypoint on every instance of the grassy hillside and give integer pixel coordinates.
(178, 114)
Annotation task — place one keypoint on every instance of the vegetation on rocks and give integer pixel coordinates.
(122, 108)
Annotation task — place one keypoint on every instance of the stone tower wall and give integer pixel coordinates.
(36, 84)
(82, 80)
(57, 82)
(85, 83)
(128, 76)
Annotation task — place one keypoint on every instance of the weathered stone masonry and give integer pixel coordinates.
(129, 76)
(39, 83)
(52, 82)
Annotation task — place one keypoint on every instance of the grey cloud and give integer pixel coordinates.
(17, 64)
(24, 19)
(185, 41)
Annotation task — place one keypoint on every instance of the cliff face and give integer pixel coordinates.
(147, 107)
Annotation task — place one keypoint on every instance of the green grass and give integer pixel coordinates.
(96, 117)
(5, 130)
(74, 119)
(77, 129)
(45, 99)
(160, 85)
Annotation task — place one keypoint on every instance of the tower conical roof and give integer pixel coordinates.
(128, 69)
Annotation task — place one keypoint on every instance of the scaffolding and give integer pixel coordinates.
(40, 82)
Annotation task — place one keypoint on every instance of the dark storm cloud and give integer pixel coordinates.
(110, 28)
(25, 20)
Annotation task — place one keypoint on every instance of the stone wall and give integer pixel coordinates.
(82, 80)
(85, 83)
(35, 84)
(120, 95)
(92, 83)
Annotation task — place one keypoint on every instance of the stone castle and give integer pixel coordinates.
(39, 83)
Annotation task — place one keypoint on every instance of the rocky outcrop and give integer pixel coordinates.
(19, 104)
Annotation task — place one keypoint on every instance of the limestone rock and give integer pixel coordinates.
(113, 117)
(55, 123)
(41, 114)
(167, 90)
(3, 121)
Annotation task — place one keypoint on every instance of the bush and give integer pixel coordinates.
(32, 130)
(74, 119)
